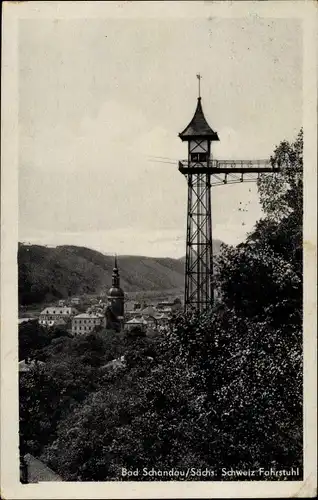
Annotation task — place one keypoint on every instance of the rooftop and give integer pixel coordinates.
(198, 127)
(59, 310)
(149, 311)
(162, 316)
(136, 321)
(38, 471)
(89, 316)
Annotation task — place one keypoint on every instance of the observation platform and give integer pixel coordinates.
(229, 171)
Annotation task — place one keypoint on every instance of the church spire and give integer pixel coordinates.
(115, 275)
(116, 301)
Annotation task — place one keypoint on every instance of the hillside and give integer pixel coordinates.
(216, 250)
(51, 273)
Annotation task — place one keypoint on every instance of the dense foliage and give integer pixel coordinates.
(262, 277)
(223, 389)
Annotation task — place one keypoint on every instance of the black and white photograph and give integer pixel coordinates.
(160, 187)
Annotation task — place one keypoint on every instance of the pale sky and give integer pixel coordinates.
(98, 97)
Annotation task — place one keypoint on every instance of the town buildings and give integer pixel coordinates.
(71, 301)
(111, 312)
(149, 318)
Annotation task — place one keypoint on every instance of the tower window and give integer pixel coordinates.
(199, 157)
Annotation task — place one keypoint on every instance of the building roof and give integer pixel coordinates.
(162, 316)
(38, 471)
(89, 316)
(136, 321)
(115, 292)
(198, 127)
(59, 310)
(149, 311)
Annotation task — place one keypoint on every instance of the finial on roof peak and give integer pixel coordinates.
(199, 78)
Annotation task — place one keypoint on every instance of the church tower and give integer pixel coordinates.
(116, 296)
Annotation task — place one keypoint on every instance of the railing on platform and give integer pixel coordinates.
(230, 165)
(230, 171)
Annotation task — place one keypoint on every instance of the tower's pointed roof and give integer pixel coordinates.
(198, 127)
(115, 290)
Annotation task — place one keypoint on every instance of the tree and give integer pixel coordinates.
(224, 390)
(247, 376)
(262, 277)
(38, 407)
(32, 338)
(281, 194)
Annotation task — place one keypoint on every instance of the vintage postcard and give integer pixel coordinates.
(158, 250)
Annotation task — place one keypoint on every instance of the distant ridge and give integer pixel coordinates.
(47, 273)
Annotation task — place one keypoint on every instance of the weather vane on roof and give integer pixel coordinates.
(199, 78)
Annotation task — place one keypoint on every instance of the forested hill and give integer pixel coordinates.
(52, 273)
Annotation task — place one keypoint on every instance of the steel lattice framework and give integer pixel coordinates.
(199, 265)
(199, 289)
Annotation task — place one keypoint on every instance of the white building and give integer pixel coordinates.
(86, 322)
(52, 316)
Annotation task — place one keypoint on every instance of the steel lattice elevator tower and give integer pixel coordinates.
(202, 172)
(199, 251)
